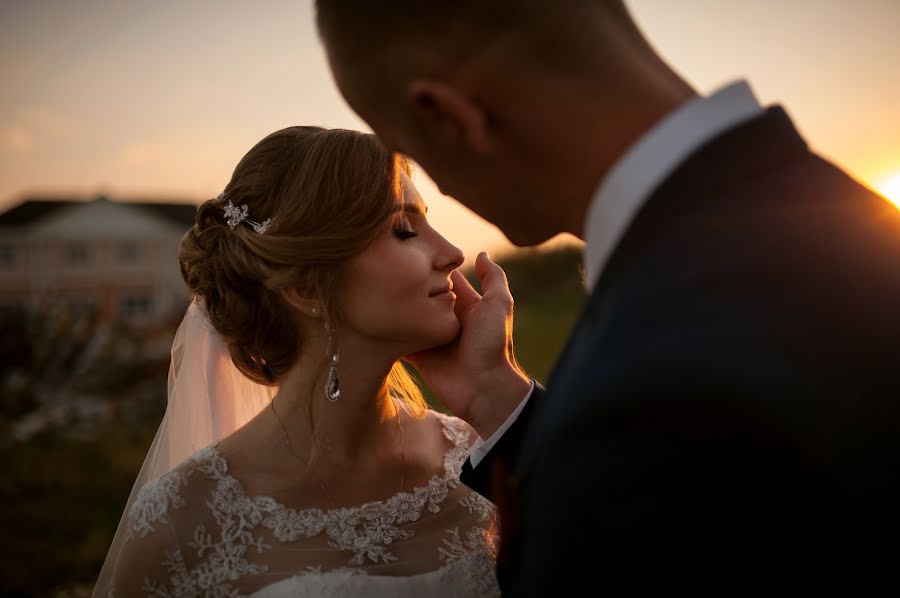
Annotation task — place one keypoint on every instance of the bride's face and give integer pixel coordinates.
(393, 292)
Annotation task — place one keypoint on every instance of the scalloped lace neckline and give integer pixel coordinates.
(452, 466)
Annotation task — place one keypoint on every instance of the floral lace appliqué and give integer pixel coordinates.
(365, 532)
(153, 500)
(478, 553)
(223, 558)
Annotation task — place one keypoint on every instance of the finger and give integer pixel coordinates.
(466, 295)
(493, 278)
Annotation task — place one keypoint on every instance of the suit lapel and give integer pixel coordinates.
(568, 362)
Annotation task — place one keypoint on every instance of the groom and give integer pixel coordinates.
(726, 413)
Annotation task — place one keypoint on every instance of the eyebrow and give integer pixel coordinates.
(415, 208)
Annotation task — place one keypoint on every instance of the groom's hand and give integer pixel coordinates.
(477, 376)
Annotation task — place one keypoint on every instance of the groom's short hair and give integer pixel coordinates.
(368, 36)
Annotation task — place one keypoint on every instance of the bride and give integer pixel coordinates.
(297, 456)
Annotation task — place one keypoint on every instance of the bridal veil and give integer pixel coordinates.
(208, 399)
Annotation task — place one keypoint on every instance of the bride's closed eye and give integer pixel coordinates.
(403, 230)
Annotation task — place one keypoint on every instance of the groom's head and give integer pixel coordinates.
(514, 107)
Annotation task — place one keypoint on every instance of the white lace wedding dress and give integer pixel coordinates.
(196, 532)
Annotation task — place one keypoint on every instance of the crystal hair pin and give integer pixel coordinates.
(234, 215)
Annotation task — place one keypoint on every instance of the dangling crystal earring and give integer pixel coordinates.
(333, 384)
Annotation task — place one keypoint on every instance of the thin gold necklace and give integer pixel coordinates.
(322, 482)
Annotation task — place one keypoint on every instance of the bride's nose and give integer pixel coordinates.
(449, 257)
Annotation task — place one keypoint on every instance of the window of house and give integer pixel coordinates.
(7, 255)
(129, 252)
(136, 305)
(77, 254)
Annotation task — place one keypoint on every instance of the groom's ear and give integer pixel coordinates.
(449, 114)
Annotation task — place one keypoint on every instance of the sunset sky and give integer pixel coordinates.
(161, 99)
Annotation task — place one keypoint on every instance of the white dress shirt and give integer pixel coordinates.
(481, 446)
(634, 178)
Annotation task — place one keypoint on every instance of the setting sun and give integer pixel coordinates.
(890, 188)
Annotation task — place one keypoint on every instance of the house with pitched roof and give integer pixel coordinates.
(117, 259)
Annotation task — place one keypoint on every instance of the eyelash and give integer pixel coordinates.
(403, 235)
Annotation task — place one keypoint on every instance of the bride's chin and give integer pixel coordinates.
(451, 331)
(439, 336)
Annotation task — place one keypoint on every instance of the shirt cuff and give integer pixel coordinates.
(482, 447)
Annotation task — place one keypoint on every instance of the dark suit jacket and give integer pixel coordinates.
(726, 414)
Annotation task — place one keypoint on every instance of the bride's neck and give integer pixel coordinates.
(358, 428)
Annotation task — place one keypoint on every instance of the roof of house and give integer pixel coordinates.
(33, 210)
(30, 211)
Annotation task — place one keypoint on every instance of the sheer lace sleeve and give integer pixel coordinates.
(150, 556)
(145, 565)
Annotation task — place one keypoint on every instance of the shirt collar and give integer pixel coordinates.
(651, 159)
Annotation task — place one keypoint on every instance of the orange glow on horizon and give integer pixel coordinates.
(890, 188)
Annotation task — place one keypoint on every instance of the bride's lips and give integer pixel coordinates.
(444, 292)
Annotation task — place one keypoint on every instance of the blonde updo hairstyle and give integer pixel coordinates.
(329, 193)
